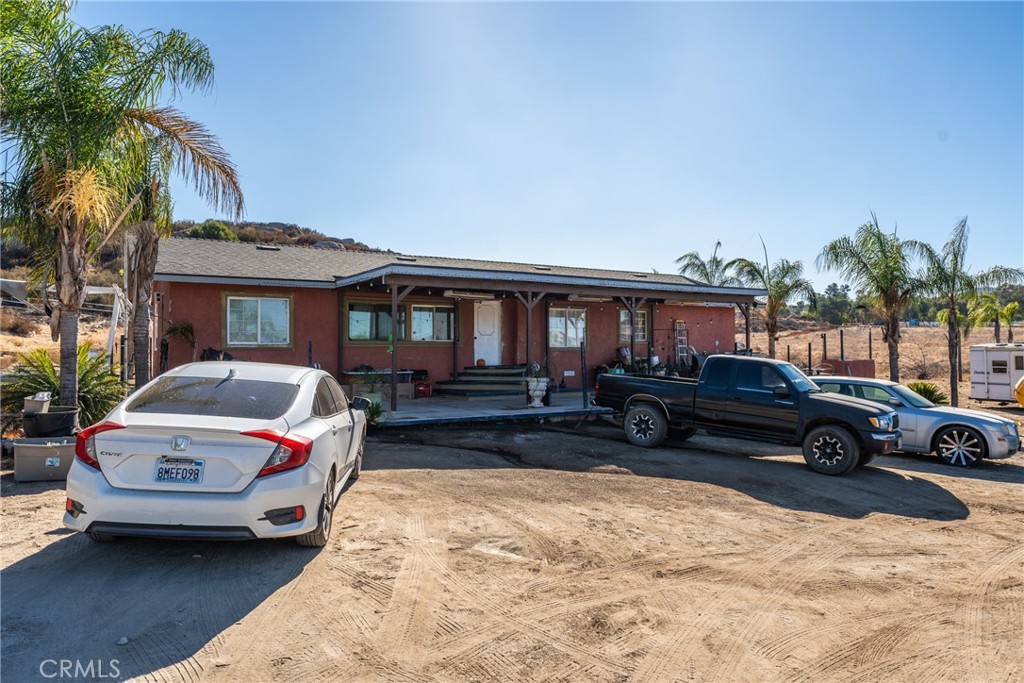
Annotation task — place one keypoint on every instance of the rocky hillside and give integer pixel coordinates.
(15, 258)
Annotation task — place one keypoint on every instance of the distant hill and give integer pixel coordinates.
(267, 233)
(14, 257)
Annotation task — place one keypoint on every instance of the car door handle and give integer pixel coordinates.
(334, 430)
(735, 398)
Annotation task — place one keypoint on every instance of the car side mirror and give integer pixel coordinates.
(893, 401)
(781, 391)
(360, 403)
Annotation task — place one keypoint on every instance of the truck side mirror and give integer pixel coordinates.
(781, 391)
(893, 401)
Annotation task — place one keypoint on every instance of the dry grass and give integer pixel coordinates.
(92, 331)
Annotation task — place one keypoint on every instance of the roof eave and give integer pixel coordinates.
(552, 279)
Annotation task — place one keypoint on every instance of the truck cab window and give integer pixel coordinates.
(718, 374)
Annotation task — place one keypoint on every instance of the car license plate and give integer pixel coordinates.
(179, 470)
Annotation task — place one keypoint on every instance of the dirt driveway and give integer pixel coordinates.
(547, 553)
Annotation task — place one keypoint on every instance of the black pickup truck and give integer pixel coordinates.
(753, 398)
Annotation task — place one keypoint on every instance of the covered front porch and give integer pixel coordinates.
(435, 410)
(564, 325)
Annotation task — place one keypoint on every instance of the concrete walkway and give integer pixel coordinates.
(449, 410)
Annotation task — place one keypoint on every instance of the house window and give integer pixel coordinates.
(641, 326)
(433, 323)
(999, 367)
(255, 321)
(372, 322)
(567, 327)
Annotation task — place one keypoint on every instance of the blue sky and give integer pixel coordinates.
(614, 135)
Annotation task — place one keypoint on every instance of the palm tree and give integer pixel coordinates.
(782, 280)
(947, 275)
(1008, 315)
(714, 271)
(174, 143)
(875, 263)
(75, 103)
(984, 309)
(966, 327)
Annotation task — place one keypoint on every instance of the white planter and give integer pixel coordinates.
(536, 387)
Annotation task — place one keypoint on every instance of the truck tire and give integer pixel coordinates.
(830, 449)
(865, 459)
(681, 433)
(645, 425)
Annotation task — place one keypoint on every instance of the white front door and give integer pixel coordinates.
(487, 331)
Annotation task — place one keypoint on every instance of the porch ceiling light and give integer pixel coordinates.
(459, 294)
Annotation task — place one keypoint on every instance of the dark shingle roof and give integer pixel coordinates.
(190, 258)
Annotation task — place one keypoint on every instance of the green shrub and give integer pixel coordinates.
(213, 230)
(374, 414)
(929, 391)
(98, 390)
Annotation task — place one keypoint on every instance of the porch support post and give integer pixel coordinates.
(745, 310)
(529, 301)
(632, 303)
(396, 298)
(456, 336)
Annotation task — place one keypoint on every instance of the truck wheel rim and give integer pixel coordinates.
(960, 448)
(828, 450)
(642, 426)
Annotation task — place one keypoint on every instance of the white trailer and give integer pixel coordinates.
(995, 370)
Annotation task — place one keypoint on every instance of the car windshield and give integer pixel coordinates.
(912, 397)
(799, 380)
(215, 396)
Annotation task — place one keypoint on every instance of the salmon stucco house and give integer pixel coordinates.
(354, 310)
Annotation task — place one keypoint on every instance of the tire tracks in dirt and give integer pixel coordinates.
(974, 598)
(677, 652)
(499, 612)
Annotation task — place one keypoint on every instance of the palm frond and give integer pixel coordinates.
(199, 157)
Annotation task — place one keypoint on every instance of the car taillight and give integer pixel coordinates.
(292, 450)
(85, 443)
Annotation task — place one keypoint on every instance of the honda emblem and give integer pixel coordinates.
(180, 443)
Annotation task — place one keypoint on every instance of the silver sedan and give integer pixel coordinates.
(960, 437)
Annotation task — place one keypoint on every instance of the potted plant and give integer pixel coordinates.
(537, 385)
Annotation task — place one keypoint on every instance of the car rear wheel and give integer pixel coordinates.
(645, 425)
(960, 447)
(318, 537)
(830, 449)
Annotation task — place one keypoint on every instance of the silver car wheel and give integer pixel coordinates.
(960, 447)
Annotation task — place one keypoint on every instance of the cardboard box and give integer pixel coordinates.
(43, 459)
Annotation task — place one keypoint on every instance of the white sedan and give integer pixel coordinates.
(219, 450)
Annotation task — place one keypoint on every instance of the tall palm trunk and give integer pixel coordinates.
(891, 336)
(69, 358)
(1009, 334)
(772, 327)
(998, 330)
(953, 339)
(143, 270)
(71, 282)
